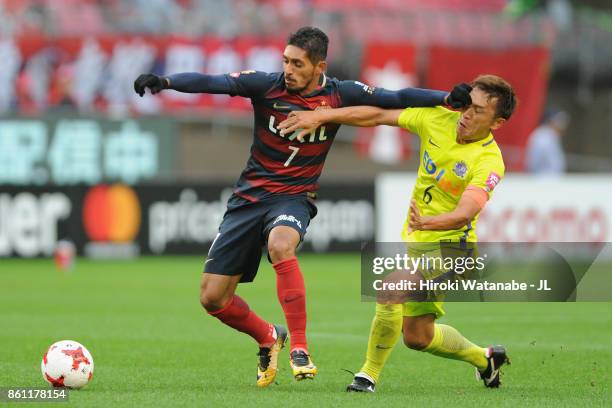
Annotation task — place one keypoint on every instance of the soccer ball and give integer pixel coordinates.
(67, 364)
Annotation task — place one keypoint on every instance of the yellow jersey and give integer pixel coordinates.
(447, 168)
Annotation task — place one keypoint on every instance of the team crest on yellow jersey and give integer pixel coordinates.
(460, 169)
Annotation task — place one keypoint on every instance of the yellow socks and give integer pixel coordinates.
(449, 343)
(386, 329)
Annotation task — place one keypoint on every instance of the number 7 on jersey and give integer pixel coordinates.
(295, 150)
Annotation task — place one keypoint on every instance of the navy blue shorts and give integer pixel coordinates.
(245, 228)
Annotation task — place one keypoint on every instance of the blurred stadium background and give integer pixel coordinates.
(71, 121)
(84, 160)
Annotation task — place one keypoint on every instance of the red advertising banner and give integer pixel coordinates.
(96, 74)
(525, 68)
(391, 66)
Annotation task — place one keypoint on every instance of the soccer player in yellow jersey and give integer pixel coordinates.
(460, 167)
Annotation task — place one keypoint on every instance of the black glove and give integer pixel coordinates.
(460, 97)
(153, 82)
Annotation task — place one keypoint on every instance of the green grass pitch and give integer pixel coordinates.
(154, 346)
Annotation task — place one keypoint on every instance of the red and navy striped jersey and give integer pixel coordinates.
(282, 164)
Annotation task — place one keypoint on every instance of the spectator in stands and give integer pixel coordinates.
(544, 149)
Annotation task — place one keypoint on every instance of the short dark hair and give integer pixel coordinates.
(500, 89)
(312, 40)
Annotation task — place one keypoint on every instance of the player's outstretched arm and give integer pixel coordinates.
(471, 203)
(354, 93)
(245, 83)
(154, 82)
(364, 116)
(189, 82)
(458, 98)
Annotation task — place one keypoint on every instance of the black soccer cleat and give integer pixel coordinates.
(267, 366)
(361, 383)
(497, 357)
(302, 365)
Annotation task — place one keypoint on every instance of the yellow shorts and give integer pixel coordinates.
(423, 308)
(434, 250)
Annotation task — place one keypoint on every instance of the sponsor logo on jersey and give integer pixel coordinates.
(428, 163)
(280, 107)
(447, 185)
(366, 88)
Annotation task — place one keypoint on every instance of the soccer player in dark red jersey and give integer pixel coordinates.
(273, 200)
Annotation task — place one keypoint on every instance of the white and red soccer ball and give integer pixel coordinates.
(68, 364)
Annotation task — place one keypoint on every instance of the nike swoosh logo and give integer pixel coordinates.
(277, 106)
(291, 298)
(431, 141)
(378, 346)
(209, 259)
(494, 374)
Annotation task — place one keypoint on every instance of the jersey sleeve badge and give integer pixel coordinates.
(237, 74)
(366, 88)
(492, 181)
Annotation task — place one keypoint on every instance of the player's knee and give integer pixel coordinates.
(212, 300)
(416, 341)
(280, 250)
